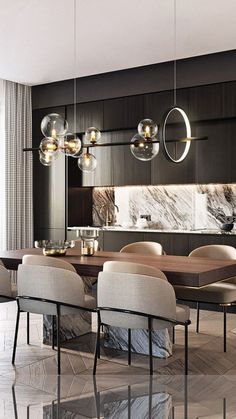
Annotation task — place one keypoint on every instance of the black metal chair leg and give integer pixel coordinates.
(97, 397)
(186, 349)
(186, 397)
(58, 340)
(173, 335)
(150, 416)
(129, 402)
(28, 328)
(198, 312)
(53, 332)
(150, 345)
(225, 326)
(16, 333)
(224, 408)
(97, 349)
(129, 346)
(14, 402)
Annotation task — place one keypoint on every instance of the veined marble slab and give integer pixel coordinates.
(72, 325)
(140, 407)
(117, 338)
(171, 207)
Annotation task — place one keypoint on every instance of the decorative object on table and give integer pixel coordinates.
(89, 243)
(54, 247)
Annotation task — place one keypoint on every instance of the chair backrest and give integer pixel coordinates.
(5, 283)
(151, 248)
(49, 283)
(47, 261)
(133, 268)
(214, 251)
(144, 293)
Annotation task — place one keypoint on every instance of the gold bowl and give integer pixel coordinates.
(54, 247)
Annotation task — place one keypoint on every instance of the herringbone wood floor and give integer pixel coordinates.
(211, 382)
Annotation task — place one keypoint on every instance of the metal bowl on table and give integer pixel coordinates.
(54, 247)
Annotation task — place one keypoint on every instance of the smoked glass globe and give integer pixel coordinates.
(143, 149)
(147, 128)
(92, 135)
(49, 146)
(54, 125)
(70, 145)
(46, 159)
(87, 162)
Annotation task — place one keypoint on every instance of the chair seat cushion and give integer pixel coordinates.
(219, 292)
(182, 313)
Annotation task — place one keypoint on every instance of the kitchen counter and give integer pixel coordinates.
(151, 230)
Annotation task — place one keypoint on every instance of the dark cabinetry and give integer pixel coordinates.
(113, 241)
(212, 112)
(173, 243)
(87, 115)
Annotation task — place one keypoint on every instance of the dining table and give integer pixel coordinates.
(179, 270)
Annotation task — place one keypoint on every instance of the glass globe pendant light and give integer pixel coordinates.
(47, 159)
(87, 162)
(147, 128)
(48, 146)
(54, 125)
(92, 135)
(70, 145)
(143, 149)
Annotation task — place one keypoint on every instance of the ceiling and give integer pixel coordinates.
(36, 36)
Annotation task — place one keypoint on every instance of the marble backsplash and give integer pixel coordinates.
(177, 207)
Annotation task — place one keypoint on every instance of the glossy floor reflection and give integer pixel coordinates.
(78, 397)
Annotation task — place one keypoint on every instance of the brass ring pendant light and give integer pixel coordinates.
(178, 109)
(163, 134)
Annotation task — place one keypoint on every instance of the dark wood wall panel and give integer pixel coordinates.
(212, 112)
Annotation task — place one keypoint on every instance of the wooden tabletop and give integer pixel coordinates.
(180, 270)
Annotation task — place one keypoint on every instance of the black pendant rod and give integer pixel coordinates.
(172, 140)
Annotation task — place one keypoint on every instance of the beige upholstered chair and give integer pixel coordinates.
(222, 293)
(134, 301)
(7, 292)
(51, 291)
(45, 261)
(133, 268)
(151, 248)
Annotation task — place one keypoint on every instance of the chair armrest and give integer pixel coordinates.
(57, 303)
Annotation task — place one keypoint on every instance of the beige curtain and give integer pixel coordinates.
(18, 167)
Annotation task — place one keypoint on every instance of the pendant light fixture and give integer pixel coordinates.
(87, 162)
(70, 144)
(144, 145)
(172, 110)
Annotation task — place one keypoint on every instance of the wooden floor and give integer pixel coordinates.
(209, 389)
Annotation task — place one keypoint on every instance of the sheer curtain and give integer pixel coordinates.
(16, 213)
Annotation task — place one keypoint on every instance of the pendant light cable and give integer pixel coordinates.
(75, 67)
(175, 69)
